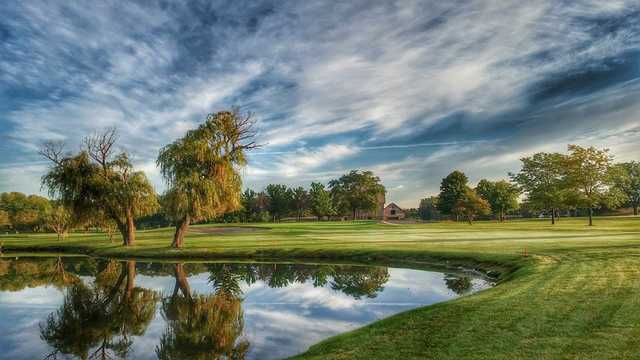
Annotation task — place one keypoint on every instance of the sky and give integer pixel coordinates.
(410, 90)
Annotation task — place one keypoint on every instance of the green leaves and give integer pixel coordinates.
(357, 190)
(202, 168)
(501, 195)
(452, 191)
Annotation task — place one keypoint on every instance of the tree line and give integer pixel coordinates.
(98, 185)
(584, 178)
(355, 194)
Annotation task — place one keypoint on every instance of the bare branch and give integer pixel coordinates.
(53, 151)
(100, 145)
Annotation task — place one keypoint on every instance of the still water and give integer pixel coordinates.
(85, 308)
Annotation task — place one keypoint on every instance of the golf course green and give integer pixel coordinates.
(564, 291)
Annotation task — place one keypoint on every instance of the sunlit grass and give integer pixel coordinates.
(577, 294)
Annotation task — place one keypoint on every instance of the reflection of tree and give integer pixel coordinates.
(102, 316)
(26, 273)
(356, 281)
(203, 326)
(458, 284)
(361, 281)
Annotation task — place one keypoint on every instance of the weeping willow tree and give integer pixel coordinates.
(201, 326)
(202, 170)
(98, 181)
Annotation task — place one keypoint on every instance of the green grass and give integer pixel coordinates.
(576, 296)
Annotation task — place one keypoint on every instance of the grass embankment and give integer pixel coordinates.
(576, 296)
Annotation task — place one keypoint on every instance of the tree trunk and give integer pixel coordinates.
(590, 216)
(181, 281)
(131, 276)
(354, 214)
(501, 215)
(181, 229)
(553, 216)
(635, 209)
(470, 219)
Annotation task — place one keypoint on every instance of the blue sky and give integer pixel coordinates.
(409, 89)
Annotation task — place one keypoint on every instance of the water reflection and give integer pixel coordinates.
(203, 326)
(97, 309)
(97, 320)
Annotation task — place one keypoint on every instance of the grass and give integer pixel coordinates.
(577, 294)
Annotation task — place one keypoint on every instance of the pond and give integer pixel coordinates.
(77, 307)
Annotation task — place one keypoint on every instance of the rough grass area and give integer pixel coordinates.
(577, 294)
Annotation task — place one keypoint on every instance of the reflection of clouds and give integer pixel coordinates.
(280, 332)
(47, 296)
(279, 322)
(20, 332)
(302, 294)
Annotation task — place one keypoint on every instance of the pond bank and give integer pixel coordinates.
(575, 296)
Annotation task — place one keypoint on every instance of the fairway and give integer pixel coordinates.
(576, 294)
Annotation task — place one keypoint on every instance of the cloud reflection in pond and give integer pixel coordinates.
(198, 310)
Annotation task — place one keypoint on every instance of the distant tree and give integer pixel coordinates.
(542, 179)
(60, 220)
(4, 219)
(588, 174)
(25, 213)
(97, 181)
(321, 204)
(501, 195)
(411, 213)
(428, 209)
(356, 191)
(452, 191)
(280, 199)
(472, 205)
(254, 206)
(300, 201)
(626, 178)
(202, 170)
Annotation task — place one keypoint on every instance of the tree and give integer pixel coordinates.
(202, 169)
(300, 201)
(452, 191)
(542, 179)
(60, 220)
(24, 212)
(471, 205)
(626, 178)
(320, 198)
(4, 219)
(254, 206)
(97, 181)
(356, 191)
(588, 173)
(428, 209)
(280, 199)
(501, 195)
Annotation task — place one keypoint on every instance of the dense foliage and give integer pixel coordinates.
(202, 169)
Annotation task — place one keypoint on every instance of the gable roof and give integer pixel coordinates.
(393, 205)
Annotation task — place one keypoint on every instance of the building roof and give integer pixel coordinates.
(393, 205)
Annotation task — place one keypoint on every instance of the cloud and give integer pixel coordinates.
(408, 89)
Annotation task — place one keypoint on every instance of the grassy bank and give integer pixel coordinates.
(576, 296)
